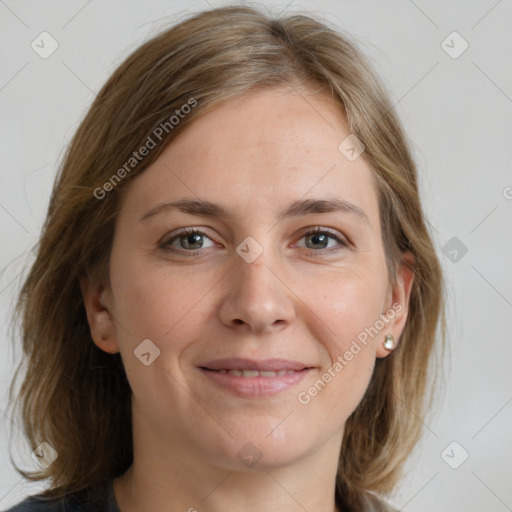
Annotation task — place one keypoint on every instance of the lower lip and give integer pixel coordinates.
(256, 386)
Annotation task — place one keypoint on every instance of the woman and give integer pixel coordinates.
(235, 300)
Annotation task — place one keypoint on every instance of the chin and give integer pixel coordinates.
(266, 448)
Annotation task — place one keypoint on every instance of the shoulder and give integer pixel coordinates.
(375, 504)
(35, 504)
(98, 498)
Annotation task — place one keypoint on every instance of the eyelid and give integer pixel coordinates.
(184, 231)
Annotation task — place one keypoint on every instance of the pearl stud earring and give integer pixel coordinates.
(389, 342)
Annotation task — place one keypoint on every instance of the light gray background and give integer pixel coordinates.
(456, 111)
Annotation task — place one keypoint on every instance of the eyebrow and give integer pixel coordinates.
(295, 209)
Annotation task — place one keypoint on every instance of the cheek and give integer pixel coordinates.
(154, 302)
(350, 302)
(346, 313)
(354, 314)
(166, 307)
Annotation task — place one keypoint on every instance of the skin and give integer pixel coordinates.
(297, 300)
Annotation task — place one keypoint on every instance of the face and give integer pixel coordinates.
(274, 262)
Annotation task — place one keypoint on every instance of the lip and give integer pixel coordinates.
(258, 386)
(269, 365)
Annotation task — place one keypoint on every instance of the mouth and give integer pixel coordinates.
(246, 365)
(249, 378)
(255, 373)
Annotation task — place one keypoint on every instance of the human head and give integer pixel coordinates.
(213, 58)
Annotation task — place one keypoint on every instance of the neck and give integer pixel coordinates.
(214, 491)
(162, 479)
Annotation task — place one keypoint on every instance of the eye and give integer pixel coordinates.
(189, 240)
(320, 238)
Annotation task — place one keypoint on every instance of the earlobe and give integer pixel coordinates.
(100, 321)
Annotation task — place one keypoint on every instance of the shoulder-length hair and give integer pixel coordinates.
(75, 396)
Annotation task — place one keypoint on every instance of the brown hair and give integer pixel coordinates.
(75, 396)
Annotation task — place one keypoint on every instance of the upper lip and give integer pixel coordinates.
(236, 363)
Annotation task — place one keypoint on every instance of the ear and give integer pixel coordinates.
(101, 323)
(398, 304)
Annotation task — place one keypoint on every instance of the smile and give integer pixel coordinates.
(254, 383)
(256, 373)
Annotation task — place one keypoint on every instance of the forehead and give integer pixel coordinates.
(260, 151)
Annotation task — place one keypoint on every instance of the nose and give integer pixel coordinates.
(257, 297)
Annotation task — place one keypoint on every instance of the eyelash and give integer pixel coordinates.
(166, 245)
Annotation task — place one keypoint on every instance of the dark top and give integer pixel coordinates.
(96, 499)
(102, 499)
